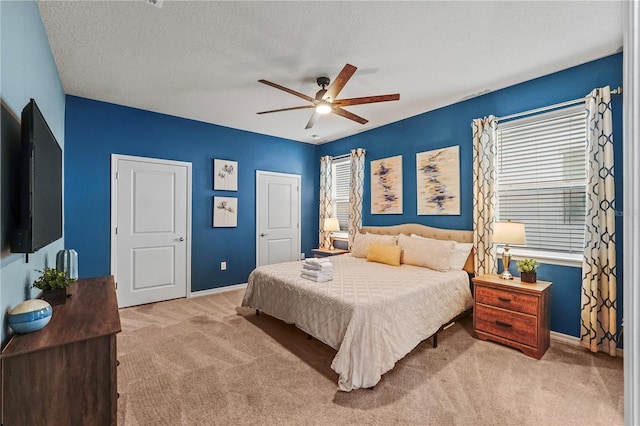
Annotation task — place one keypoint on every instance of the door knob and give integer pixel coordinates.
(263, 234)
(180, 239)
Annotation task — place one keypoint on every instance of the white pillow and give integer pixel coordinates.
(458, 257)
(361, 243)
(432, 254)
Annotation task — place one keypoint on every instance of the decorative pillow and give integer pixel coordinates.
(432, 254)
(361, 243)
(459, 255)
(386, 254)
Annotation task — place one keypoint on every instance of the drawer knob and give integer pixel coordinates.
(504, 324)
(504, 299)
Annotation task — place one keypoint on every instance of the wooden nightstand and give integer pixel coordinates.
(512, 313)
(321, 252)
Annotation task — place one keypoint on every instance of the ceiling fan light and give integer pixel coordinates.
(323, 108)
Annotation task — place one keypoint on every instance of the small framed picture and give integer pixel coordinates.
(225, 175)
(225, 212)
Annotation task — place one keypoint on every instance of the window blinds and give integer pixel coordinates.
(541, 178)
(341, 181)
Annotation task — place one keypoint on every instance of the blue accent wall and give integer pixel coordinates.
(451, 125)
(28, 71)
(95, 130)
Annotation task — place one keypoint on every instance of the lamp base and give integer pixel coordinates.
(506, 260)
(506, 275)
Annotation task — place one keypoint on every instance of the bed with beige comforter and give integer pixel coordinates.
(371, 313)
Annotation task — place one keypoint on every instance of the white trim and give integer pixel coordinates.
(574, 341)
(114, 209)
(298, 178)
(631, 209)
(216, 290)
(546, 257)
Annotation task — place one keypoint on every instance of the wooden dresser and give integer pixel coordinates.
(513, 313)
(65, 374)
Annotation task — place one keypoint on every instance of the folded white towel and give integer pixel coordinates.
(317, 261)
(323, 267)
(321, 279)
(317, 273)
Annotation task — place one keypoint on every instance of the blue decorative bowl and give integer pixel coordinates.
(30, 315)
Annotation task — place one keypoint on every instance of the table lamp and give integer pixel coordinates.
(508, 233)
(331, 224)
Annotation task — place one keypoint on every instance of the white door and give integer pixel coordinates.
(151, 229)
(278, 217)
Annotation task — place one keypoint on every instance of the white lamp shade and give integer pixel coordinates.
(331, 224)
(509, 233)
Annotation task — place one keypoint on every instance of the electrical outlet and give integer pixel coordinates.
(223, 266)
(301, 256)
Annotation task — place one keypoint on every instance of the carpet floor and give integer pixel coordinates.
(207, 361)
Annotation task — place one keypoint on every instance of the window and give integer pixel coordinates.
(541, 179)
(341, 175)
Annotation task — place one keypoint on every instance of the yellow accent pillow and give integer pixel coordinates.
(381, 253)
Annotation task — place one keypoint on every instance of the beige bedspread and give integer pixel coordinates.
(372, 314)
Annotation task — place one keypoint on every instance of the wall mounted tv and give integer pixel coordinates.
(39, 195)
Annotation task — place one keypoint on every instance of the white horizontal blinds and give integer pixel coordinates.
(541, 179)
(341, 182)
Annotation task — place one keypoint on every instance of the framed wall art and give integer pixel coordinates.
(386, 185)
(225, 212)
(438, 181)
(225, 175)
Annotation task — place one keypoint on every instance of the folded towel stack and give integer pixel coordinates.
(319, 270)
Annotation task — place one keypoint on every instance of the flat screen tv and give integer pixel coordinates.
(39, 195)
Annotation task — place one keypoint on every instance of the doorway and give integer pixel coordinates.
(150, 229)
(277, 217)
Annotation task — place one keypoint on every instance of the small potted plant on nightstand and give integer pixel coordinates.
(527, 269)
(53, 284)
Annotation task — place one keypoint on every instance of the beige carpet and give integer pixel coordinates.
(205, 361)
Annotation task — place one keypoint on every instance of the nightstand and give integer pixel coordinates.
(321, 252)
(512, 313)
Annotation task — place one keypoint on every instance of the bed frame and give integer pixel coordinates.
(437, 234)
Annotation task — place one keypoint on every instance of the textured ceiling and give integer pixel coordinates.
(201, 60)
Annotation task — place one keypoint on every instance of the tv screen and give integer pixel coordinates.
(40, 186)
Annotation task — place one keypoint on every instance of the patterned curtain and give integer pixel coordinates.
(599, 303)
(326, 203)
(356, 190)
(484, 198)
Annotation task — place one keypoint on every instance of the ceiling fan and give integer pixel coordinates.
(325, 100)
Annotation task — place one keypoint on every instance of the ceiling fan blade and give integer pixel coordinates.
(312, 120)
(286, 109)
(293, 92)
(366, 100)
(339, 82)
(351, 116)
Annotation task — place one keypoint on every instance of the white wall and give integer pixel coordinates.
(28, 70)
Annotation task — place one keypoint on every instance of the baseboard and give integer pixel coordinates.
(574, 341)
(217, 290)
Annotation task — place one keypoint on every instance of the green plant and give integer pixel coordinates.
(51, 279)
(527, 265)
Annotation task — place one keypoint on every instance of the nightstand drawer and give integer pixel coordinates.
(514, 326)
(519, 302)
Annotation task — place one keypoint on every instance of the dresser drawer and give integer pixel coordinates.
(519, 302)
(514, 326)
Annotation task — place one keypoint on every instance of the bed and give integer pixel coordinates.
(371, 313)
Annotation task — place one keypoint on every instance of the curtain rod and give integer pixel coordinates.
(340, 157)
(616, 91)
